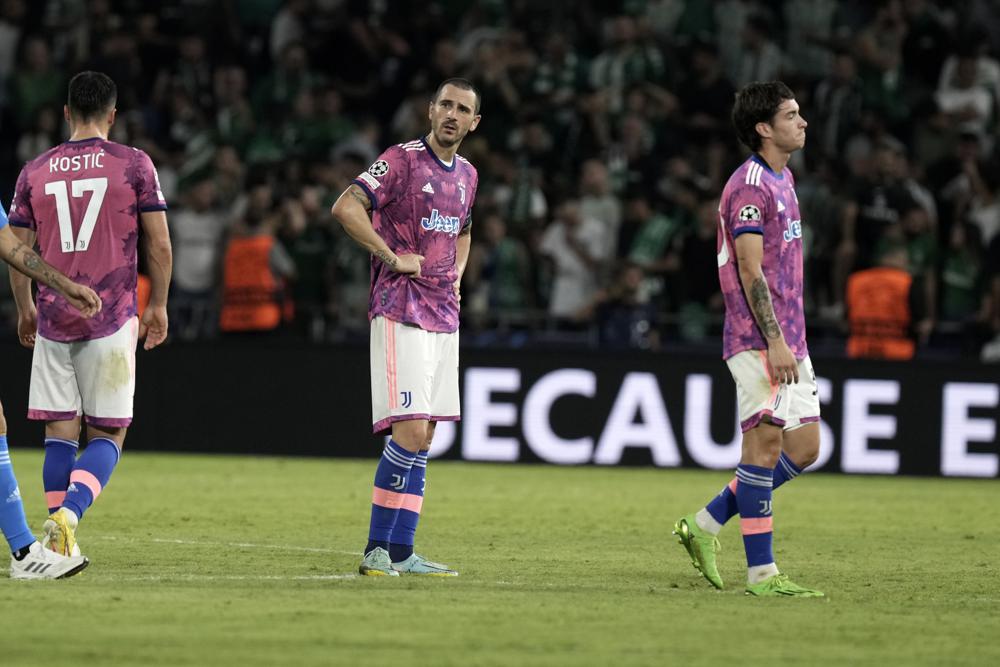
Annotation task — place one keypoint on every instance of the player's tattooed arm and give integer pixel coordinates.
(21, 257)
(27, 261)
(387, 258)
(749, 255)
(361, 197)
(20, 284)
(763, 309)
(781, 364)
(353, 211)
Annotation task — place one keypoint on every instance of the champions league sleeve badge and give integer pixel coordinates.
(380, 168)
(749, 213)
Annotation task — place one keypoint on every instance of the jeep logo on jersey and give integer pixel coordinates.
(380, 168)
(794, 230)
(440, 223)
(749, 213)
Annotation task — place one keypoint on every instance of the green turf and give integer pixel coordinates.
(237, 561)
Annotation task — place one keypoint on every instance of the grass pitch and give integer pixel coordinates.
(212, 560)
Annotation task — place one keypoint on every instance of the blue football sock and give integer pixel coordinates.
(387, 496)
(13, 523)
(753, 495)
(60, 457)
(723, 506)
(785, 471)
(401, 541)
(91, 474)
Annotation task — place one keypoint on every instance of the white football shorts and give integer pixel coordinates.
(95, 378)
(787, 405)
(414, 374)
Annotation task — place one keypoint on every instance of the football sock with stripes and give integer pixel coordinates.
(391, 477)
(753, 496)
(402, 539)
(91, 474)
(723, 507)
(60, 457)
(13, 523)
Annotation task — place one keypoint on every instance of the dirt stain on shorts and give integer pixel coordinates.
(117, 370)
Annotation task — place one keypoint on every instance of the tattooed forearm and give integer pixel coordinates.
(386, 258)
(31, 261)
(32, 266)
(763, 310)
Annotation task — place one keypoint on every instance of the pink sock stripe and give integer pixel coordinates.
(88, 480)
(412, 502)
(732, 485)
(54, 498)
(388, 499)
(764, 524)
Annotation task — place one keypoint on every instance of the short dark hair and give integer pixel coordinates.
(757, 103)
(91, 94)
(459, 82)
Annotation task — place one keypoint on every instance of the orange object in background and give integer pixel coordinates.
(252, 298)
(143, 289)
(878, 312)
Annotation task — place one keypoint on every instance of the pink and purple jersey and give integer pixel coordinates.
(758, 201)
(419, 205)
(83, 200)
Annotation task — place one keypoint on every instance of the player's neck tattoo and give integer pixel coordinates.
(763, 310)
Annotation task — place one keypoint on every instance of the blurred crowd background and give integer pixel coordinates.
(604, 143)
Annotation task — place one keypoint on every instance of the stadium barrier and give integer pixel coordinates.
(560, 407)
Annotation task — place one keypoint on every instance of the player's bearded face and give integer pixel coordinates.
(453, 115)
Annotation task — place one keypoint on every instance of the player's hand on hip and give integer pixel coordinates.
(83, 299)
(782, 365)
(409, 264)
(153, 326)
(27, 326)
(458, 289)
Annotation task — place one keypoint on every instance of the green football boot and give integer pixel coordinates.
(701, 546)
(780, 586)
(377, 564)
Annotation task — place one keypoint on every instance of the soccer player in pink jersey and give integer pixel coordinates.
(764, 339)
(28, 558)
(411, 211)
(84, 202)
